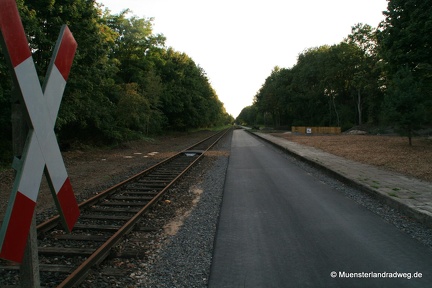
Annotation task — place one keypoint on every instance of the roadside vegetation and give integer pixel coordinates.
(376, 77)
(124, 84)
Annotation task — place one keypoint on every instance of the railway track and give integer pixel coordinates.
(107, 217)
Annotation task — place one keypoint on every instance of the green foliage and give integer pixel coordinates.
(132, 108)
(345, 84)
(405, 36)
(124, 83)
(405, 46)
(404, 106)
(6, 129)
(248, 116)
(187, 99)
(328, 86)
(5, 99)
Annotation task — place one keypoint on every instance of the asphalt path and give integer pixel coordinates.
(281, 227)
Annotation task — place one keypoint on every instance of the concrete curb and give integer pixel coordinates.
(412, 212)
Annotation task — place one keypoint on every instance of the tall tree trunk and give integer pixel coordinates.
(337, 114)
(359, 107)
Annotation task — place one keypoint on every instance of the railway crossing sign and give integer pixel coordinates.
(41, 152)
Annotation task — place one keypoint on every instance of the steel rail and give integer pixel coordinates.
(80, 273)
(52, 222)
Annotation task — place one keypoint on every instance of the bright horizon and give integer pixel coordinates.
(238, 43)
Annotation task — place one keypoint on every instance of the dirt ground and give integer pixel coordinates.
(388, 152)
(93, 170)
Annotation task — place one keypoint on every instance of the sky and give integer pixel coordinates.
(239, 42)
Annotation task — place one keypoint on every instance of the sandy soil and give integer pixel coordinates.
(388, 152)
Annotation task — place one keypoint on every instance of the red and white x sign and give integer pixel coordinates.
(41, 150)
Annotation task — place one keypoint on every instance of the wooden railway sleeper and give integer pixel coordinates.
(123, 203)
(131, 198)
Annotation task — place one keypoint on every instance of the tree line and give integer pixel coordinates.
(124, 83)
(376, 76)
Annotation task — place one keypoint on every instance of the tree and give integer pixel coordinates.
(270, 97)
(133, 110)
(345, 84)
(6, 87)
(5, 111)
(405, 44)
(327, 86)
(364, 37)
(86, 106)
(133, 48)
(187, 100)
(124, 83)
(248, 116)
(133, 39)
(365, 78)
(403, 103)
(341, 64)
(404, 36)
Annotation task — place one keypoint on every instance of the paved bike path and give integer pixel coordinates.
(281, 227)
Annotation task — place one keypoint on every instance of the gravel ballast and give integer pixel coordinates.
(179, 252)
(185, 260)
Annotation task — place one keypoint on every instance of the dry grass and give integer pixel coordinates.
(389, 152)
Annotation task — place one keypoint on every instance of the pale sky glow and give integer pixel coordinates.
(239, 42)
